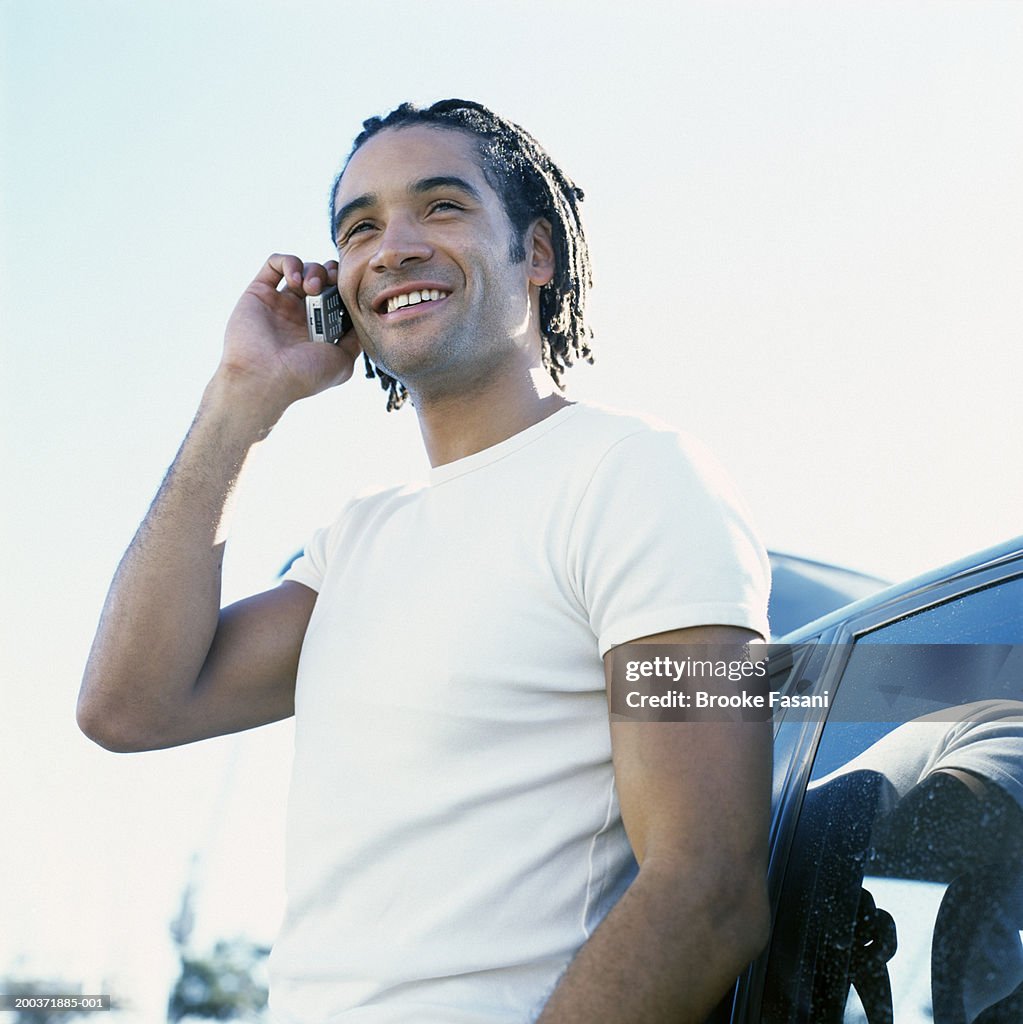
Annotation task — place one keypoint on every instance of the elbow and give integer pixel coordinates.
(755, 926)
(744, 916)
(101, 731)
(108, 727)
(730, 910)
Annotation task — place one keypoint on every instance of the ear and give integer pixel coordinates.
(540, 252)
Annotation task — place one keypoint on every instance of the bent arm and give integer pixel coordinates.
(695, 801)
(167, 666)
(163, 647)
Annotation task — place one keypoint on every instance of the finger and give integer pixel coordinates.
(281, 267)
(331, 266)
(315, 277)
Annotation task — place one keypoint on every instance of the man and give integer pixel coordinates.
(462, 815)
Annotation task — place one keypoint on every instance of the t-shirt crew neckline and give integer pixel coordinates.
(488, 456)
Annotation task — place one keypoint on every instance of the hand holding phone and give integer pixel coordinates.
(266, 341)
(326, 316)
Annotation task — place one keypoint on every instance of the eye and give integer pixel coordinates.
(356, 229)
(440, 205)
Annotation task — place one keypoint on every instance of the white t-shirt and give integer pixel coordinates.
(453, 828)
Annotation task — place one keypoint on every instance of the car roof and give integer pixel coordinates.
(803, 590)
(988, 557)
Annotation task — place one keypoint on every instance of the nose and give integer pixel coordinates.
(402, 241)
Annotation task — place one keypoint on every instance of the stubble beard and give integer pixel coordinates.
(461, 357)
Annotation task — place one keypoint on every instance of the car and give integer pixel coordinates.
(803, 590)
(896, 859)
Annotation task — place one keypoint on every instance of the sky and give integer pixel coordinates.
(807, 234)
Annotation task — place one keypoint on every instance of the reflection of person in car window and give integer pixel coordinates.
(974, 763)
(950, 809)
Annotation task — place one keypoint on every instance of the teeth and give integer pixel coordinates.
(412, 298)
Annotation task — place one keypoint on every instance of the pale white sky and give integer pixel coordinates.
(807, 231)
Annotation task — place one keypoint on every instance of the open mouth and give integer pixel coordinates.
(413, 298)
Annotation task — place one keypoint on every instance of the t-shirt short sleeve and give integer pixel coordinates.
(662, 541)
(311, 565)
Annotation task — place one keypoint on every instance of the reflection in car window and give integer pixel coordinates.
(903, 896)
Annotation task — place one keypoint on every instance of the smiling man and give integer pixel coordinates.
(470, 837)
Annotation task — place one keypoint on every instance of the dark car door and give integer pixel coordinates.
(897, 866)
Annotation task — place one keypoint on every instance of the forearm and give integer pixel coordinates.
(667, 952)
(163, 605)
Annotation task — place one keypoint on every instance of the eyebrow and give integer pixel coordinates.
(359, 203)
(445, 181)
(417, 188)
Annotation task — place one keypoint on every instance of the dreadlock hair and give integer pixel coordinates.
(530, 185)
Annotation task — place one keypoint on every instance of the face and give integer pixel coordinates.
(424, 262)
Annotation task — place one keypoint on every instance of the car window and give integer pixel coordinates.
(902, 898)
(992, 615)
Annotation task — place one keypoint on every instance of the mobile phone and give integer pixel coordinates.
(326, 316)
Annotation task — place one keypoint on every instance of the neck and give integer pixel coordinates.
(457, 425)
